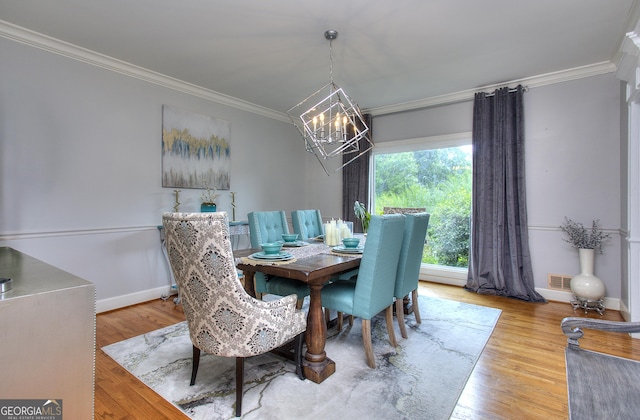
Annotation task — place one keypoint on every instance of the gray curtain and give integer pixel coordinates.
(355, 182)
(500, 262)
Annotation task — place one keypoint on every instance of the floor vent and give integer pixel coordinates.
(559, 281)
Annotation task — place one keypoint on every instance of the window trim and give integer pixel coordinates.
(433, 142)
(429, 272)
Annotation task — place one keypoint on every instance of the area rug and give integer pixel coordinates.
(422, 378)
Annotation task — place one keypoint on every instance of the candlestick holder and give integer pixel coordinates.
(233, 206)
(176, 206)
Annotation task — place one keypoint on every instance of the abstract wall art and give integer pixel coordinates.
(195, 150)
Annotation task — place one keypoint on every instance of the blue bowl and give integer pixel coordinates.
(351, 242)
(271, 248)
(289, 237)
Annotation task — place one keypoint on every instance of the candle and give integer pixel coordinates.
(333, 233)
(315, 122)
(322, 125)
(344, 127)
(330, 233)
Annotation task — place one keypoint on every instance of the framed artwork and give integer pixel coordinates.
(195, 150)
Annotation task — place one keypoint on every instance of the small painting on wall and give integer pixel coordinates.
(195, 150)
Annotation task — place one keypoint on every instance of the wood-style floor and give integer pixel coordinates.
(521, 373)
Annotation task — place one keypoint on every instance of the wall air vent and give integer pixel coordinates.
(559, 281)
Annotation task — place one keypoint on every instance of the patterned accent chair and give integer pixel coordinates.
(307, 223)
(268, 226)
(372, 290)
(223, 319)
(407, 277)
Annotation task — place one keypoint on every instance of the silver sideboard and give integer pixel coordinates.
(47, 335)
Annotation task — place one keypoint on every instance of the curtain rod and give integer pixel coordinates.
(511, 90)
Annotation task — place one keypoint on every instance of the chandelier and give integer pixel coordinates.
(331, 124)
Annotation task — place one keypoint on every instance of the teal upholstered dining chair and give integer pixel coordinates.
(372, 290)
(415, 232)
(268, 226)
(307, 223)
(222, 318)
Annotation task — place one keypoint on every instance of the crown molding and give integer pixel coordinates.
(56, 46)
(74, 52)
(628, 62)
(467, 95)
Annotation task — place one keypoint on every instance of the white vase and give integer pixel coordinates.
(585, 285)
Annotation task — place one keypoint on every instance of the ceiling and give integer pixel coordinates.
(273, 53)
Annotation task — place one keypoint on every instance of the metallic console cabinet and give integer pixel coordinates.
(47, 335)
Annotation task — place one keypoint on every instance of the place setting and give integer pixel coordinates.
(271, 252)
(349, 246)
(291, 240)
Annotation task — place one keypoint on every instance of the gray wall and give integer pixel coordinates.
(80, 161)
(573, 162)
(80, 165)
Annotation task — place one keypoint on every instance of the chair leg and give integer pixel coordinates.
(239, 384)
(258, 295)
(194, 364)
(400, 316)
(389, 316)
(416, 307)
(298, 356)
(299, 303)
(366, 341)
(340, 320)
(351, 320)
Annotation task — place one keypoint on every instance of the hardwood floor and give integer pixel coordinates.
(119, 395)
(521, 373)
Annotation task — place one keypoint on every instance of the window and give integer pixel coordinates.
(434, 173)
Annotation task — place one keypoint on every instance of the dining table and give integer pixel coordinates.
(315, 264)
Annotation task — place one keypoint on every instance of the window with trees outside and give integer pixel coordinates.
(434, 173)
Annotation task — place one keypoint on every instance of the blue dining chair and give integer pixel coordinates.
(415, 232)
(307, 223)
(268, 226)
(372, 290)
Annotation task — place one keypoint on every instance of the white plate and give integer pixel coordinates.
(283, 256)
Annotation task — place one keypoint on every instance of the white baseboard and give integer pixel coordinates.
(626, 314)
(549, 294)
(562, 296)
(117, 302)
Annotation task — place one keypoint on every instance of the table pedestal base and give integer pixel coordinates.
(318, 371)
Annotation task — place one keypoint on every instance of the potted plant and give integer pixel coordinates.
(585, 286)
(208, 198)
(580, 237)
(362, 214)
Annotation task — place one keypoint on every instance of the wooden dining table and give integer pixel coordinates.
(315, 270)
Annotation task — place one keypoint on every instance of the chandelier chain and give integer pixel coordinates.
(331, 60)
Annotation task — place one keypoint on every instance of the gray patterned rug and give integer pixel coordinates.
(420, 379)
